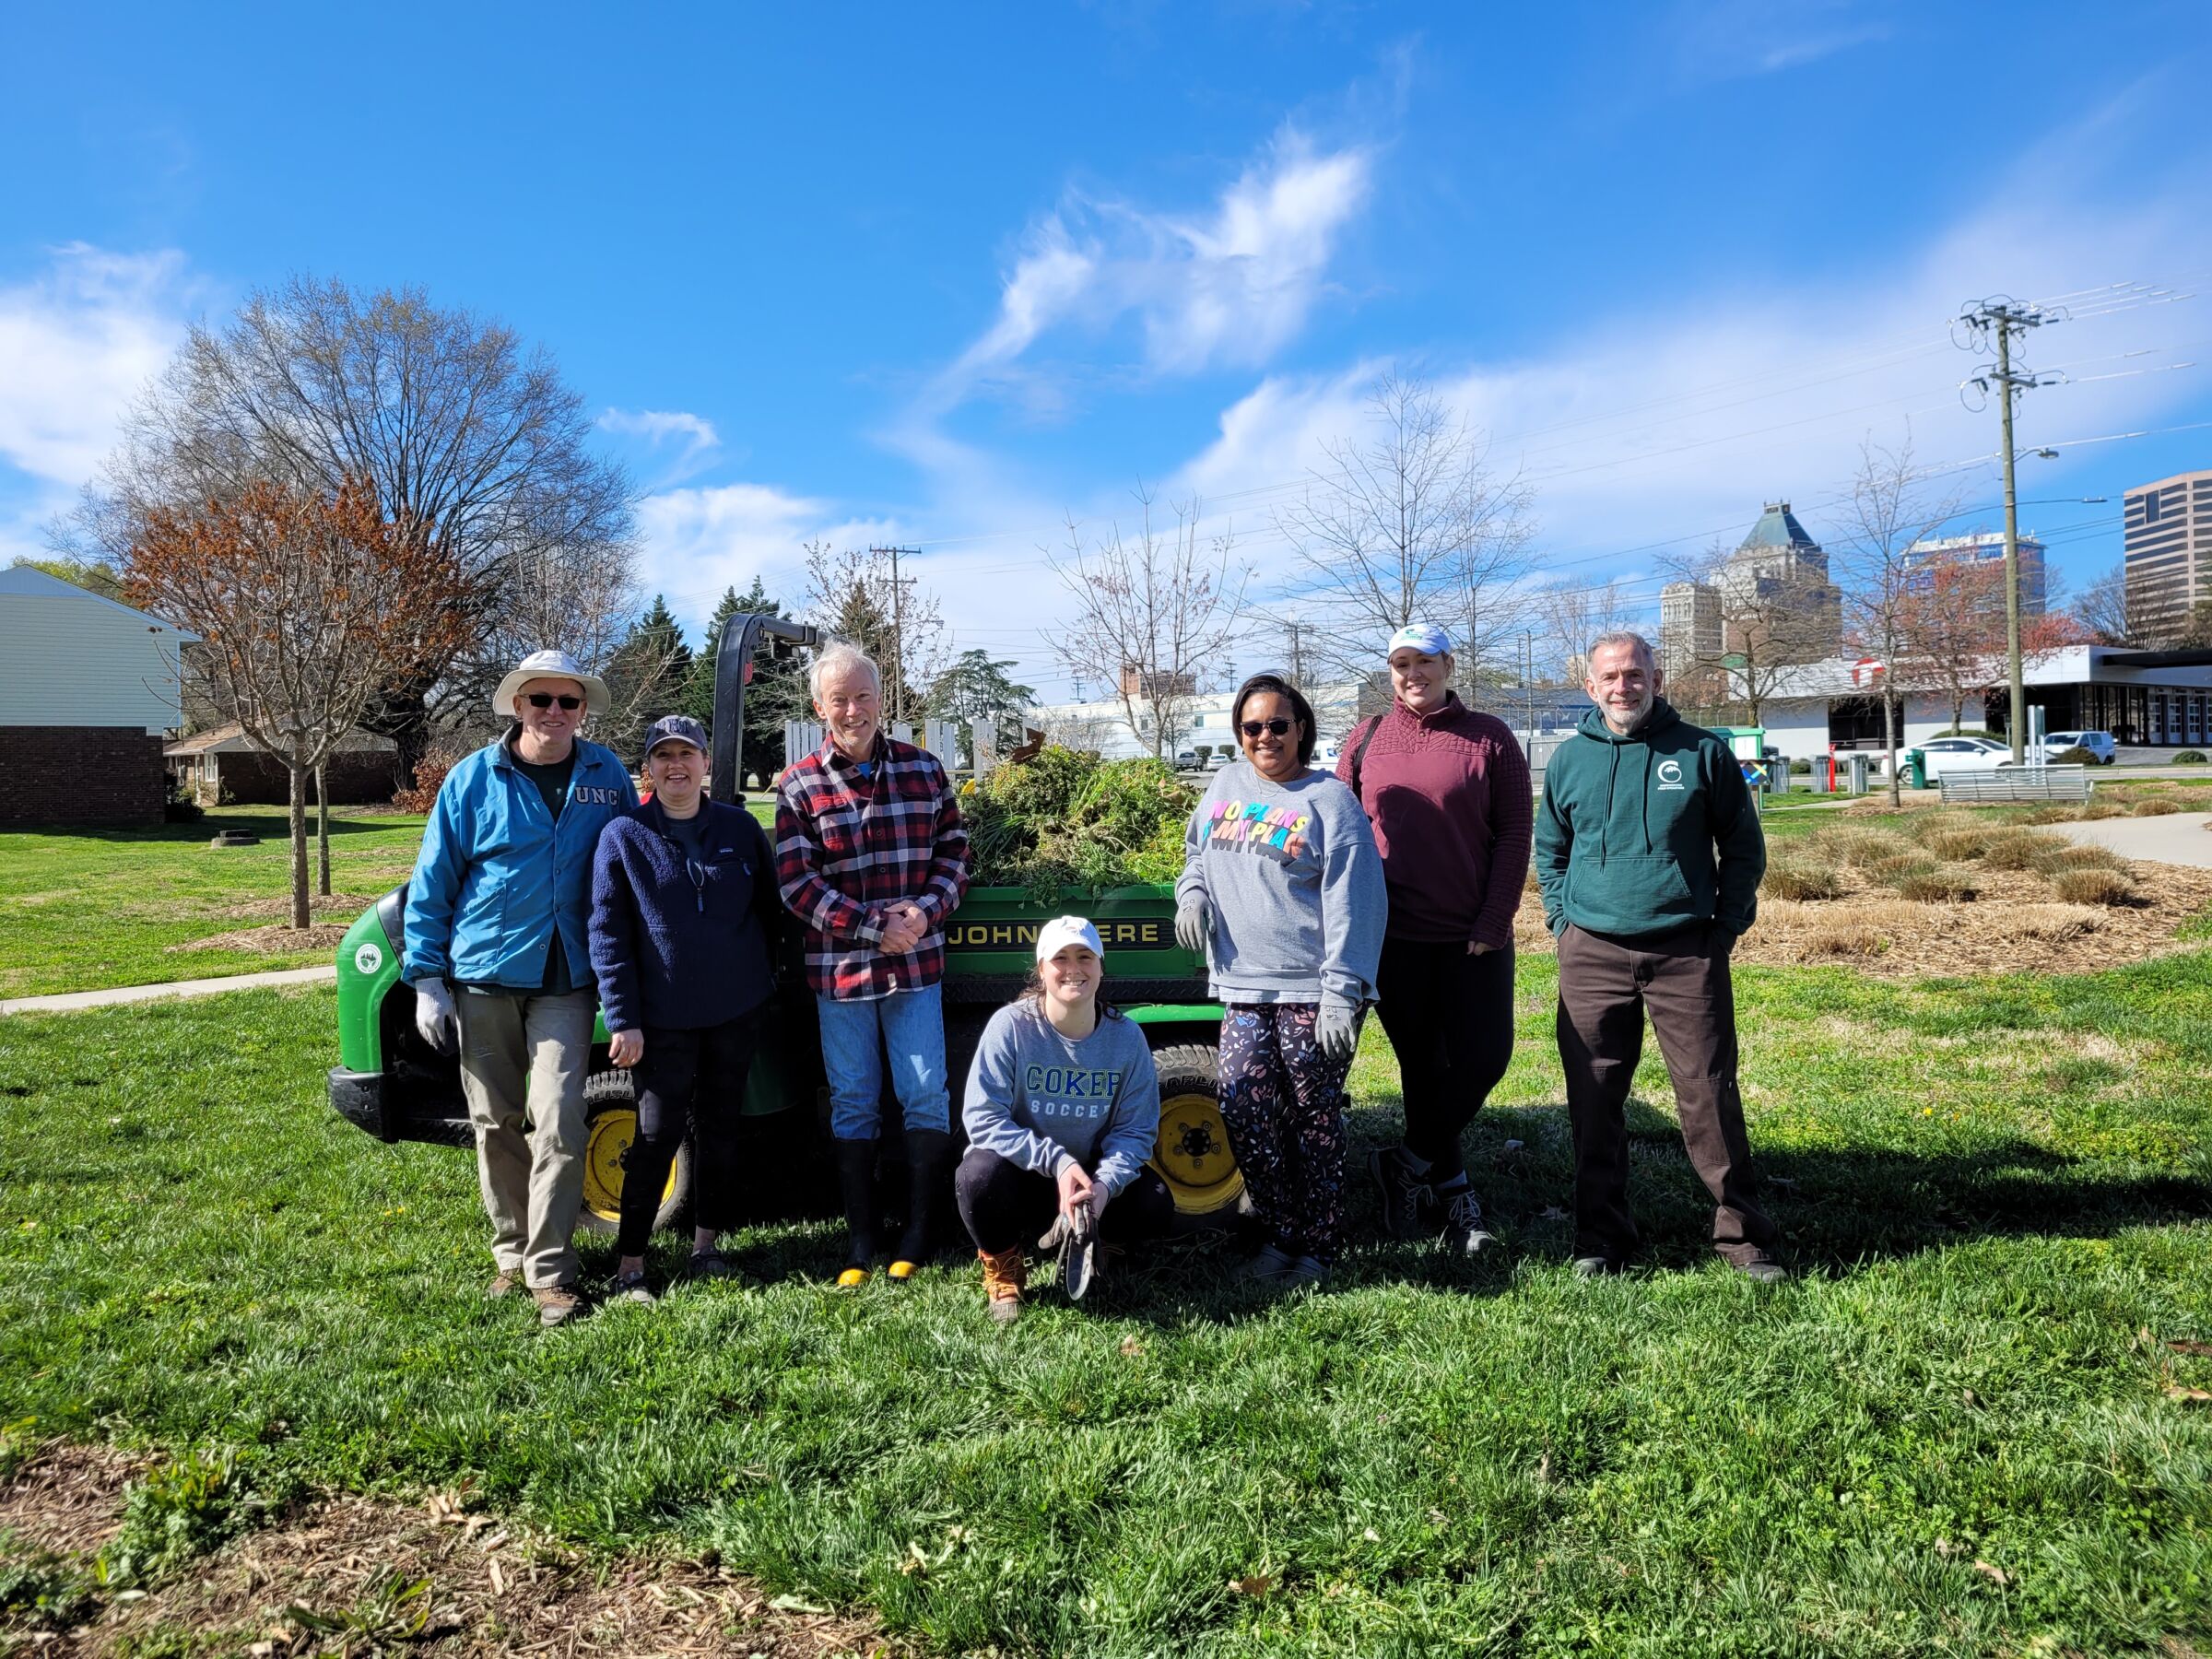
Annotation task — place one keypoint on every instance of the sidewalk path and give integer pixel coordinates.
(69, 1002)
(2175, 837)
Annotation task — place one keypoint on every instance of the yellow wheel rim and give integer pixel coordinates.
(604, 1153)
(1192, 1156)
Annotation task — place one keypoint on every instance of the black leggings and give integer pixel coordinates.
(1450, 1018)
(1004, 1204)
(688, 1080)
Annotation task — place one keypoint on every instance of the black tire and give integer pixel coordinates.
(610, 1119)
(1193, 1154)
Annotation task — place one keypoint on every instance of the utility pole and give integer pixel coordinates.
(2003, 317)
(898, 632)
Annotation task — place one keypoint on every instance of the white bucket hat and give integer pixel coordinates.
(546, 664)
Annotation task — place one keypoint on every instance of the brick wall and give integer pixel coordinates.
(355, 778)
(80, 775)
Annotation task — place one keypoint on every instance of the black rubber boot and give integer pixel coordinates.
(929, 1179)
(856, 1180)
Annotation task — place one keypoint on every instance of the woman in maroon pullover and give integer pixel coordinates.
(1447, 792)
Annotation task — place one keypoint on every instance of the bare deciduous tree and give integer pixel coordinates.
(853, 595)
(468, 441)
(1154, 613)
(1568, 615)
(1409, 525)
(1891, 507)
(304, 604)
(1770, 626)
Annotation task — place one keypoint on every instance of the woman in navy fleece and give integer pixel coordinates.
(684, 919)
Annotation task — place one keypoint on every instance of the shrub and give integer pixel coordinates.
(2101, 809)
(1940, 885)
(2051, 815)
(1801, 878)
(2190, 758)
(2090, 886)
(179, 806)
(2156, 807)
(2076, 756)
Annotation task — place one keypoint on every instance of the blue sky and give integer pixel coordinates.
(950, 274)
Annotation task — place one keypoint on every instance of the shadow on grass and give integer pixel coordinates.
(271, 825)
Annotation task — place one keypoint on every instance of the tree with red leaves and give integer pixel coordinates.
(307, 604)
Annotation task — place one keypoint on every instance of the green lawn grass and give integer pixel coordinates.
(83, 910)
(1950, 1434)
(86, 910)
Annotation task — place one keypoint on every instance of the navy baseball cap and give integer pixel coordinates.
(676, 728)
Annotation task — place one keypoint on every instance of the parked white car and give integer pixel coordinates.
(1964, 755)
(2099, 744)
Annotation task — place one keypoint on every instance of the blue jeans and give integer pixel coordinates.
(912, 1024)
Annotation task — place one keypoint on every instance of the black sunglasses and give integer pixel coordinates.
(1274, 728)
(546, 699)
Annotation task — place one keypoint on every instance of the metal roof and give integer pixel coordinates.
(1777, 527)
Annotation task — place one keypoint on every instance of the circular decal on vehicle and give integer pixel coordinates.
(368, 959)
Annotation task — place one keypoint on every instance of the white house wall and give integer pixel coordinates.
(77, 661)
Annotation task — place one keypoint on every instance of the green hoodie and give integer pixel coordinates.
(1642, 834)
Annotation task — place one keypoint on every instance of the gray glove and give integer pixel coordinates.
(1337, 1030)
(434, 1014)
(1193, 925)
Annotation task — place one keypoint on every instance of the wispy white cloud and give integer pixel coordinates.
(1727, 40)
(1227, 286)
(695, 434)
(81, 340)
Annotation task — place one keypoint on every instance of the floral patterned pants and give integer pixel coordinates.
(1282, 1100)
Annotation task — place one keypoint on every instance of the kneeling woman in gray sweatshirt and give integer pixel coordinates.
(1282, 890)
(1062, 1110)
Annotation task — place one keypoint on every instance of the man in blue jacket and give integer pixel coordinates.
(1649, 854)
(497, 913)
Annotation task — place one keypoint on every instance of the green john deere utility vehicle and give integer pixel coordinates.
(396, 1088)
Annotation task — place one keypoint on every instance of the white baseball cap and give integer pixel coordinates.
(1424, 637)
(1063, 931)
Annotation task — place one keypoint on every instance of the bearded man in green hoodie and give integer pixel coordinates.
(1649, 853)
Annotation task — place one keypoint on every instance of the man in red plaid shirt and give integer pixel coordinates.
(871, 857)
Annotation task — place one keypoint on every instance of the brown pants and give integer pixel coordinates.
(1604, 987)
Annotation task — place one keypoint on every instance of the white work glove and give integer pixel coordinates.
(1193, 925)
(1337, 1030)
(434, 1014)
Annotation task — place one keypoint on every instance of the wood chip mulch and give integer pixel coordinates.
(2013, 925)
(340, 1575)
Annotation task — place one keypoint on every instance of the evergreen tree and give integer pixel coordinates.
(645, 679)
(977, 685)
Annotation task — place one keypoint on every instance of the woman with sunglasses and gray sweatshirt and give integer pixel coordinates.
(1282, 890)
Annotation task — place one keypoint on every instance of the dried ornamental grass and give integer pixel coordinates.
(1801, 879)
(2086, 856)
(1861, 848)
(1943, 885)
(2091, 885)
(1969, 842)
(2051, 815)
(1899, 865)
(2018, 849)
(2051, 923)
(2099, 809)
(1843, 939)
(2156, 807)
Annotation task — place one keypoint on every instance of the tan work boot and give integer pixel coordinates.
(1006, 1276)
(503, 1283)
(558, 1304)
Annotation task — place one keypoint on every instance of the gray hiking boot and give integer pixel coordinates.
(1273, 1263)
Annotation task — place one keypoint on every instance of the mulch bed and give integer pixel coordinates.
(338, 1575)
(2014, 925)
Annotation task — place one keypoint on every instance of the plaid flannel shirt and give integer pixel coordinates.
(847, 847)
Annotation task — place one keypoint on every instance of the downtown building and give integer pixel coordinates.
(1984, 548)
(1771, 598)
(2168, 528)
